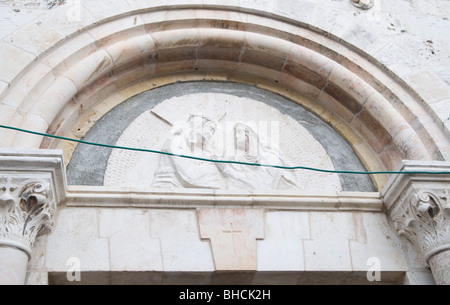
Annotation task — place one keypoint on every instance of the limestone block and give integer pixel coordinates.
(176, 39)
(6, 113)
(429, 86)
(117, 29)
(353, 85)
(76, 236)
(102, 9)
(397, 59)
(299, 10)
(25, 140)
(74, 51)
(228, 47)
(279, 48)
(312, 60)
(336, 22)
(54, 98)
(6, 24)
(442, 109)
(434, 7)
(159, 20)
(328, 248)
(68, 19)
(97, 91)
(282, 246)
(233, 234)
(374, 238)
(412, 149)
(13, 60)
(371, 130)
(126, 51)
(363, 37)
(335, 107)
(90, 68)
(130, 243)
(306, 89)
(391, 156)
(386, 114)
(181, 246)
(30, 87)
(35, 37)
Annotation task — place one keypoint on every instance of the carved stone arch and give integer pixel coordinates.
(380, 116)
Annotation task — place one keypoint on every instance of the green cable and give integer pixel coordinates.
(220, 161)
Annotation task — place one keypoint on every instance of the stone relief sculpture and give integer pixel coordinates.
(192, 139)
(195, 138)
(218, 126)
(248, 148)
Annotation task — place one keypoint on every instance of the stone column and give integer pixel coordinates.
(32, 183)
(419, 207)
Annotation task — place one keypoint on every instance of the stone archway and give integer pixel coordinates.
(383, 120)
(74, 83)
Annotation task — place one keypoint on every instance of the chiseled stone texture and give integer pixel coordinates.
(160, 243)
(282, 247)
(77, 235)
(131, 247)
(181, 248)
(232, 234)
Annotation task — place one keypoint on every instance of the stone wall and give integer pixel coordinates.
(399, 48)
(296, 246)
(409, 37)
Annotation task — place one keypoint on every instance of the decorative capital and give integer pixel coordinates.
(419, 205)
(32, 184)
(424, 219)
(26, 209)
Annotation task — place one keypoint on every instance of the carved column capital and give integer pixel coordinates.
(419, 206)
(26, 209)
(32, 184)
(424, 219)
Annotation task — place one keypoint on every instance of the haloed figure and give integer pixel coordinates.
(249, 149)
(245, 143)
(200, 131)
(191, 139)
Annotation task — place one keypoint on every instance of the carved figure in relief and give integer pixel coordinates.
(192, 139)
(248, 148)
(196, 138)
